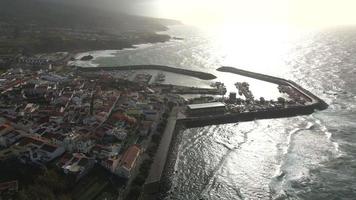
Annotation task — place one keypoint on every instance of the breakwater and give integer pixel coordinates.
(191, 122)
(196, 74)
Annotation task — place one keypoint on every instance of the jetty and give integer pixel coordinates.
(196, 74)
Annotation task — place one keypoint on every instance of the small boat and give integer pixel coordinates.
(160, 77)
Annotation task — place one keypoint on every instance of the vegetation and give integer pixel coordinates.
(2, 70)
(92, 185)
(31, 25)
(35, 183)
(138, 182)
(14, 170)
(134, 193)
(49, 185)
(36, 192)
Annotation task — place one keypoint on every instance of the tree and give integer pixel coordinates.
(156, 138)
(281, 100)
(170, 105)
(165, 115)
(52, 180)
(147, 163)
(134, 193)
(139, 180)
(151, 150)
(36, 192)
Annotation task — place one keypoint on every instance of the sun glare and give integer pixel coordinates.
(291, 12)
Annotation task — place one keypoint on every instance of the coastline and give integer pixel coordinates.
(163, 36)
(169, 169)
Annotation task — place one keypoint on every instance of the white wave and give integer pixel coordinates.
(103, 54)
(328, 136)
(95, 54)
(278, 181)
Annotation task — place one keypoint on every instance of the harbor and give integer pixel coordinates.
(299, 102)
(221, 110)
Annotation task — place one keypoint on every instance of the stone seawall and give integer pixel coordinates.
(196, 74)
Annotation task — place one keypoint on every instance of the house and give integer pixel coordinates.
(134, 112)
(76, 164)
(128, 161)
(151, 115)
(8, 135)
(101, 151)
(79, 143)
(110, 164)
(48, 152)
(145, 128)
(55, 138)
(123, 117)
(30, 108)
(9, 138)
(32, 149)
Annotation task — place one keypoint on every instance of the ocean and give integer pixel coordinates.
(305, 157)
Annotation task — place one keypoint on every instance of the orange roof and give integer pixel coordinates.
(4, 126)
(128, 159)
(123, 117)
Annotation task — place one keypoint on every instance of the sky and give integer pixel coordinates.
(210, 12)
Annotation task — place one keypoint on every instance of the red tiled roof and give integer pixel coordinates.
(27, 140)
(128, 159)
(4, 126)
(53, 136)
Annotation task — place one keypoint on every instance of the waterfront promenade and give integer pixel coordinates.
(159, 162)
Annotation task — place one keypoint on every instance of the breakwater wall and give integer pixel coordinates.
(196, 74)
(191, 122)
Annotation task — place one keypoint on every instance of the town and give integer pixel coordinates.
(72, 123)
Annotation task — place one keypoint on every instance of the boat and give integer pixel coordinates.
(160, 77)
(217, 84)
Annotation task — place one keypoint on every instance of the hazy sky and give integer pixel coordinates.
(209, 12)
(296, 12)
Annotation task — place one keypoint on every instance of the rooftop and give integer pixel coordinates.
(49, 148)
(128, 159)
(206, 105)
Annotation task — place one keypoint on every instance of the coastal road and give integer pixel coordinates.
(162, 152)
